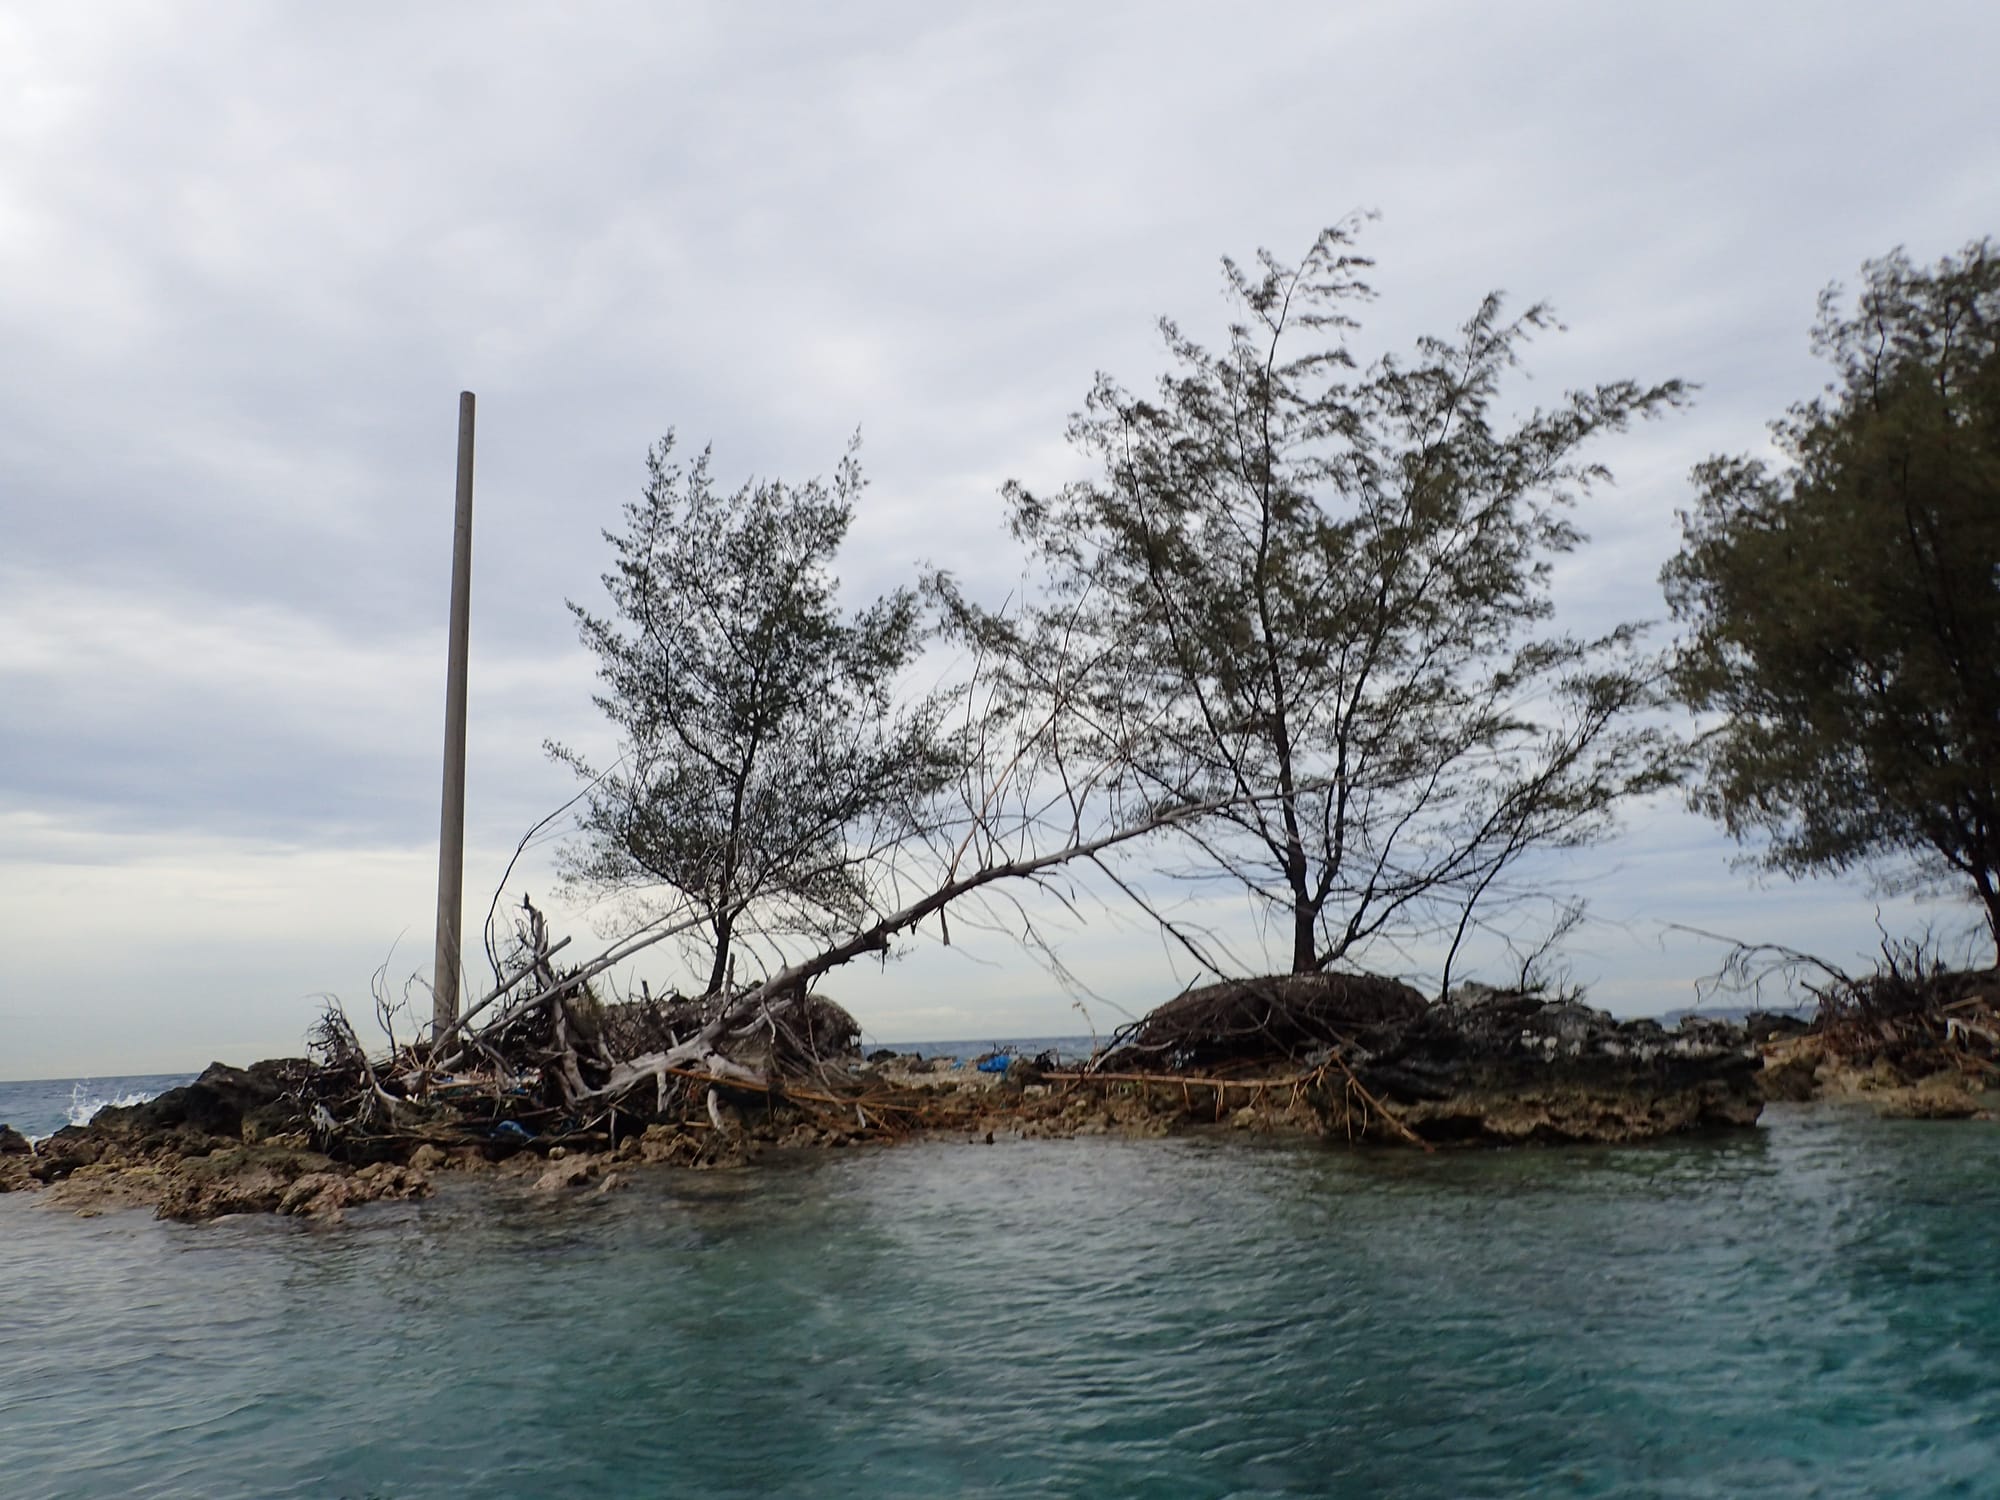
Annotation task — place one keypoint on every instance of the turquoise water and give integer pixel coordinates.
(1811, 1308)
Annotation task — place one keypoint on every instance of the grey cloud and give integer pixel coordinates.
(248, 256)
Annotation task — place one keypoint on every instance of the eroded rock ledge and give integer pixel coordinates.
(1498, 1068)
(1340, 1058)
(1484, 1067)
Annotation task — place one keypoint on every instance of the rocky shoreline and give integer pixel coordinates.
(1482, 1069)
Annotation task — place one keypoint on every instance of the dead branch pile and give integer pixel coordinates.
(1245, 1024)
(540, 1058)
(796, 1035)
(1916, 1015)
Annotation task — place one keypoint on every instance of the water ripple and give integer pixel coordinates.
(1809, 1309)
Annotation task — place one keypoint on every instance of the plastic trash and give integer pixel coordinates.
(997, 1063)
(512, 1130)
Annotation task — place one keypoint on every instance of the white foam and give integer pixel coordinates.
(83, 1105)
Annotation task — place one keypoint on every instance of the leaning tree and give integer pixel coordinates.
(765, 754)
(1843, 606)
(1316, 595)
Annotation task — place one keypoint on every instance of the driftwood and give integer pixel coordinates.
(554, 1066)
(1919, 1017)
(543, 1054)
(543, 1058)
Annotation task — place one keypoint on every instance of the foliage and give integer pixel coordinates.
(765, 757)
(1320, 593)
(1844, 607)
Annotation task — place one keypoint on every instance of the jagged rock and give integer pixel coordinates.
(1710, 1031)
(327, 1195)
(667, 1143)
(215, 1104)
(1843, 1075)
(13, 1143)
(573, 1171)
(320, 1193)
(1791, 1067)
(1942, 1096)
(1765, 1026)
(1585, 1114)
(1506, 1068)
(71, 1147)
(92, 1190)
(245, 1179)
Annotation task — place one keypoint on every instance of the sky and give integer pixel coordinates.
(249, 255)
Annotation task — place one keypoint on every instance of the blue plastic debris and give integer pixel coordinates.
(997, 1063)
(512, 1130)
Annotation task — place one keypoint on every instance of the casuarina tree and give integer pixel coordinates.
(765, 755)
(1316, 593)
(1843, 605)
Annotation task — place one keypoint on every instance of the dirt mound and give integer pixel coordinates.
(1245, 1023)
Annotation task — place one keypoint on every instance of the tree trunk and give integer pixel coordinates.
(720, 971)
(1305, 937)
(1990, 895)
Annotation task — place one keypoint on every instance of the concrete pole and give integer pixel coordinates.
(451, 822)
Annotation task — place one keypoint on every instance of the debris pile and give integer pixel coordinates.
(543, 1081)
(1918, 1019)
(1245, 1024)
(1373, 1060)
(1914, 1039)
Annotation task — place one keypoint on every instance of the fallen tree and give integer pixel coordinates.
(546, 1073)
(543, 1057)
(570, 1090)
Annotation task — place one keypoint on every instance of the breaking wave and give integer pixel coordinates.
(84, 1103)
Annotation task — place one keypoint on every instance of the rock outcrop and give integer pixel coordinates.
(231, 1103)
(1506, 1068)
(1340, 1057)
(227, 1143)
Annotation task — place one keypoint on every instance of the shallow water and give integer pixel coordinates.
(1811, 1308)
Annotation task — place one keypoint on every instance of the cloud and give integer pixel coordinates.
(155, 952)
(169, 710)
(249, 256)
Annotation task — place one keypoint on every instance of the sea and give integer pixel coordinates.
(39, 1107)
(1807, 1308)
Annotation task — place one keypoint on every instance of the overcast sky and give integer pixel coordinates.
(249, 255)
